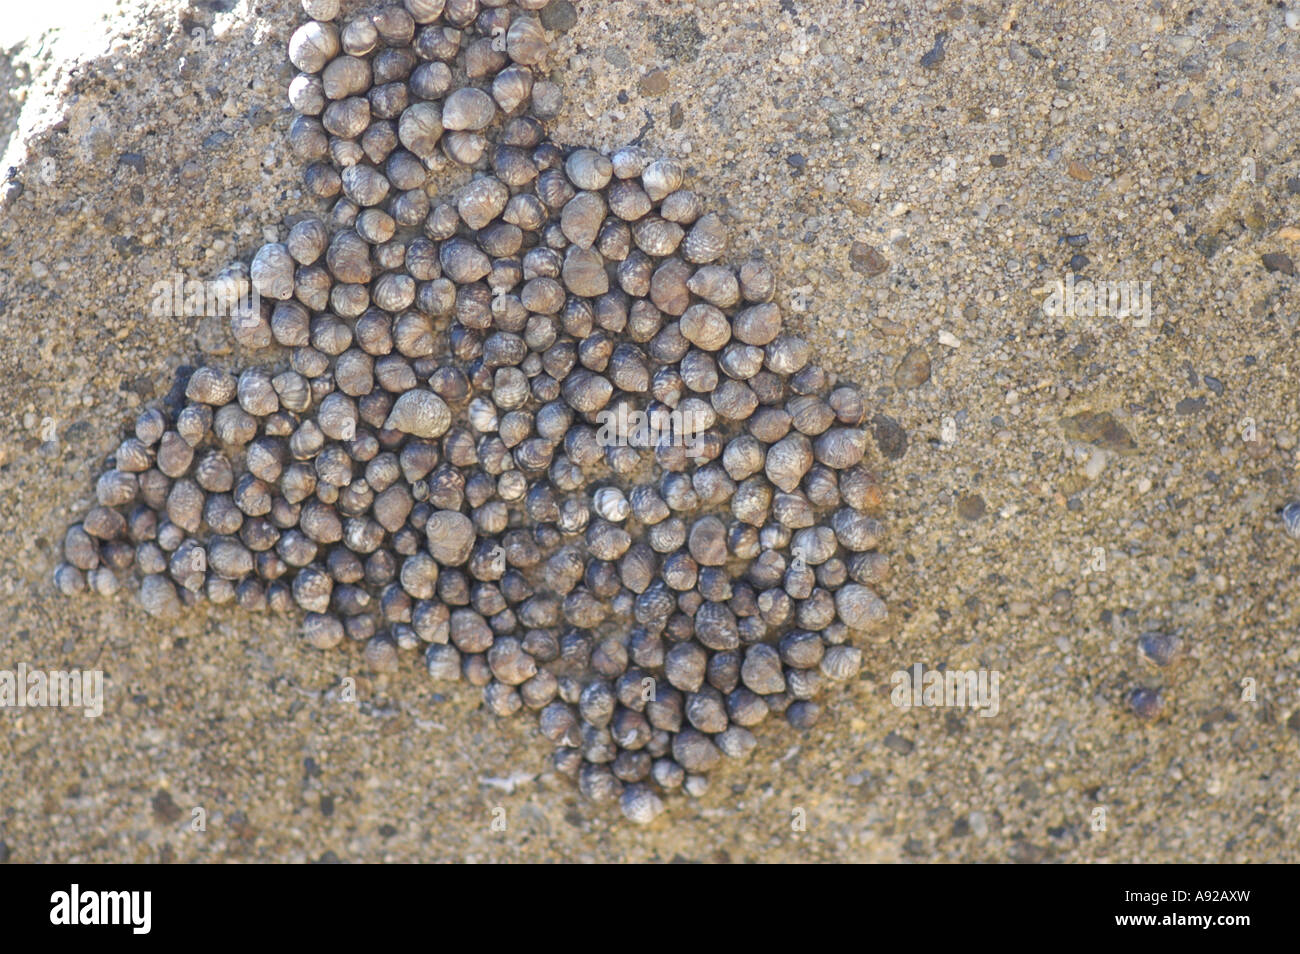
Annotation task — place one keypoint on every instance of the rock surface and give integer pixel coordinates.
(161, 153)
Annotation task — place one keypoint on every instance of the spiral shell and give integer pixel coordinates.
(661, 178)
(512, 87)
(706, 241)
(466, 109)
(656, 236)
(313, 45)
(420, 413)
(526, 41)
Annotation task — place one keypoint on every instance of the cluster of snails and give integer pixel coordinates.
(441, 461)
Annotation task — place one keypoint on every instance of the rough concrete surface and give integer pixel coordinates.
(919, 174)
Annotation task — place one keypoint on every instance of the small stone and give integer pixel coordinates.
(997, 160)
(1101, 430)
(654, 83)
(560, 16)
(891, 439)
(1146, 704)
(913, 370)
(1159, 648)
(1278, 262)
(1095, 465)
(865, 260)
(896, 743)
(971, 507)
(1077, 170)
(934, 56)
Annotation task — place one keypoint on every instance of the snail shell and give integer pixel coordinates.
(656, 236)
(526, 41)
(757, 325)
(788, 460)
(256, 394)
(359, 36)
(581, 218)
(859, 607)
(307, 94)
(211, 386)
(420, 413)
(786, 354)
(715, 284)
(345, 76)
(420, 127)
(424, 11)
(512, 87)
(584, 272)
(313, 45)
(682, 207)
(706, 241)
(482, 201)
(272, 271)
(661, 178)
(466, 109)
(841, 663)
(705, 327)
(346, 118)
(588, 169)
(396, 26)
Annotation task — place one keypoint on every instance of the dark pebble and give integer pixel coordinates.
(997, 160)
(217, 139)
(1278, 262)
(133, 159)
(896, 743)
(559, 15)
(1079, 262)
(865, 259)
(1101, 430)
(1077, 241)
(1214, 384)
(326, 805)
(165, 808)
(1146, 703)
(934, 57)
(1190, 406)
(796, 160)
(1159, 648)
(891, 439)
(971, 507)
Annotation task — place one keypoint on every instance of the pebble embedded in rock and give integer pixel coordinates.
(913, 370)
